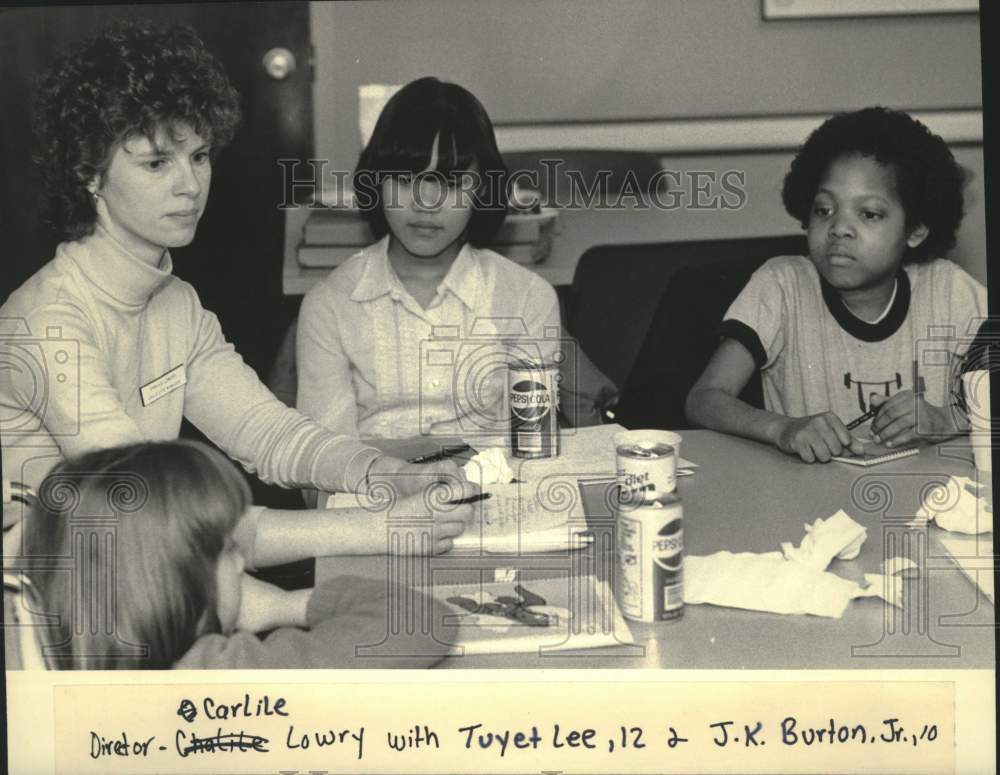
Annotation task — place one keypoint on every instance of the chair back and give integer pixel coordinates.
(625, 319)
(22, 649)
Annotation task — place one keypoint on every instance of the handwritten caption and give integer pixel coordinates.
(211, 726)
(507, 724)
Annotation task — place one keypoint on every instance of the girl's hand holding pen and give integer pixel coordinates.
(450, 518)
(437, 491)
(424, 522)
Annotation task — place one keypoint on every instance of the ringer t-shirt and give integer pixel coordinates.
(815, 355)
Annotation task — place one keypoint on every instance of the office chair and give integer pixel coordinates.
(649, 316)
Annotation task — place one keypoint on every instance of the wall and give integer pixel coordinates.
(555, 62)
(763, 214)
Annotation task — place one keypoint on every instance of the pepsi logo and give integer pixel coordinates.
(530, 401)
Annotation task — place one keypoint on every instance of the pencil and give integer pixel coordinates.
(863, 418)
(919, 387)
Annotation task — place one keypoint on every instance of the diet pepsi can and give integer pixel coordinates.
(650, 547)
(646, 470)
(533, 398)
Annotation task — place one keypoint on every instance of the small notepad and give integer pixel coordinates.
(874, 460)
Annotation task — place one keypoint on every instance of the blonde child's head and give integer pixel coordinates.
(130, 554)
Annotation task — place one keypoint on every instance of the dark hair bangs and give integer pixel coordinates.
(457, 150)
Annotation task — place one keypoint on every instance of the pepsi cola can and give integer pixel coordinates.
(650, 549)
(533, 398)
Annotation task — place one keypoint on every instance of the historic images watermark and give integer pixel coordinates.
(311, 180)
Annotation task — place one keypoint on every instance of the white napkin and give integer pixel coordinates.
(959, 505)
(765, 582)
(795, 580)
(836, 536)
(489, 467)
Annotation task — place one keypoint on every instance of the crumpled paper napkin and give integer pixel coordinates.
(795, 580)
(836, 536)
(489, 467)
(960, 505)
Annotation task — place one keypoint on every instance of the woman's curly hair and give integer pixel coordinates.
(132, 78)
(929, 180)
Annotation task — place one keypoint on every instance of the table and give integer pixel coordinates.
(747, 496)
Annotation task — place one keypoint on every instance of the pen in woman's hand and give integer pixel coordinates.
(444, 454)
(479, 496)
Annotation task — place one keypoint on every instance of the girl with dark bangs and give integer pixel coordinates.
(176, 595)
(128, 127)
(412, 335)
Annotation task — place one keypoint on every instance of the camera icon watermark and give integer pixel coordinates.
(962, 361)
(40, 375)
(464, 380)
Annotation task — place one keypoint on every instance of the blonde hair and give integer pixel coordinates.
(122, 547)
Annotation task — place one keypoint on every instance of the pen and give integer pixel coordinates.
(479, 496)
(447, 452)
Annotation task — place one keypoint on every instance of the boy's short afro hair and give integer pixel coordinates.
(929, 180)
(133, 77)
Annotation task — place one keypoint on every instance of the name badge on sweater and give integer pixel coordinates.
(159, 387)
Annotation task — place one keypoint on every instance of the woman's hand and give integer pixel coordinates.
(816, 437)
(412, 478)
(424, 523)
(895, 425)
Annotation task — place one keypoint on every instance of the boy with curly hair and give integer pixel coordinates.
(874, 317)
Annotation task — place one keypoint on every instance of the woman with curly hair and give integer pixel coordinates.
(128, 126)
(873, 319)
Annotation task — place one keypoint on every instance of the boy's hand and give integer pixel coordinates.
(895, 425)
(817, 437)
